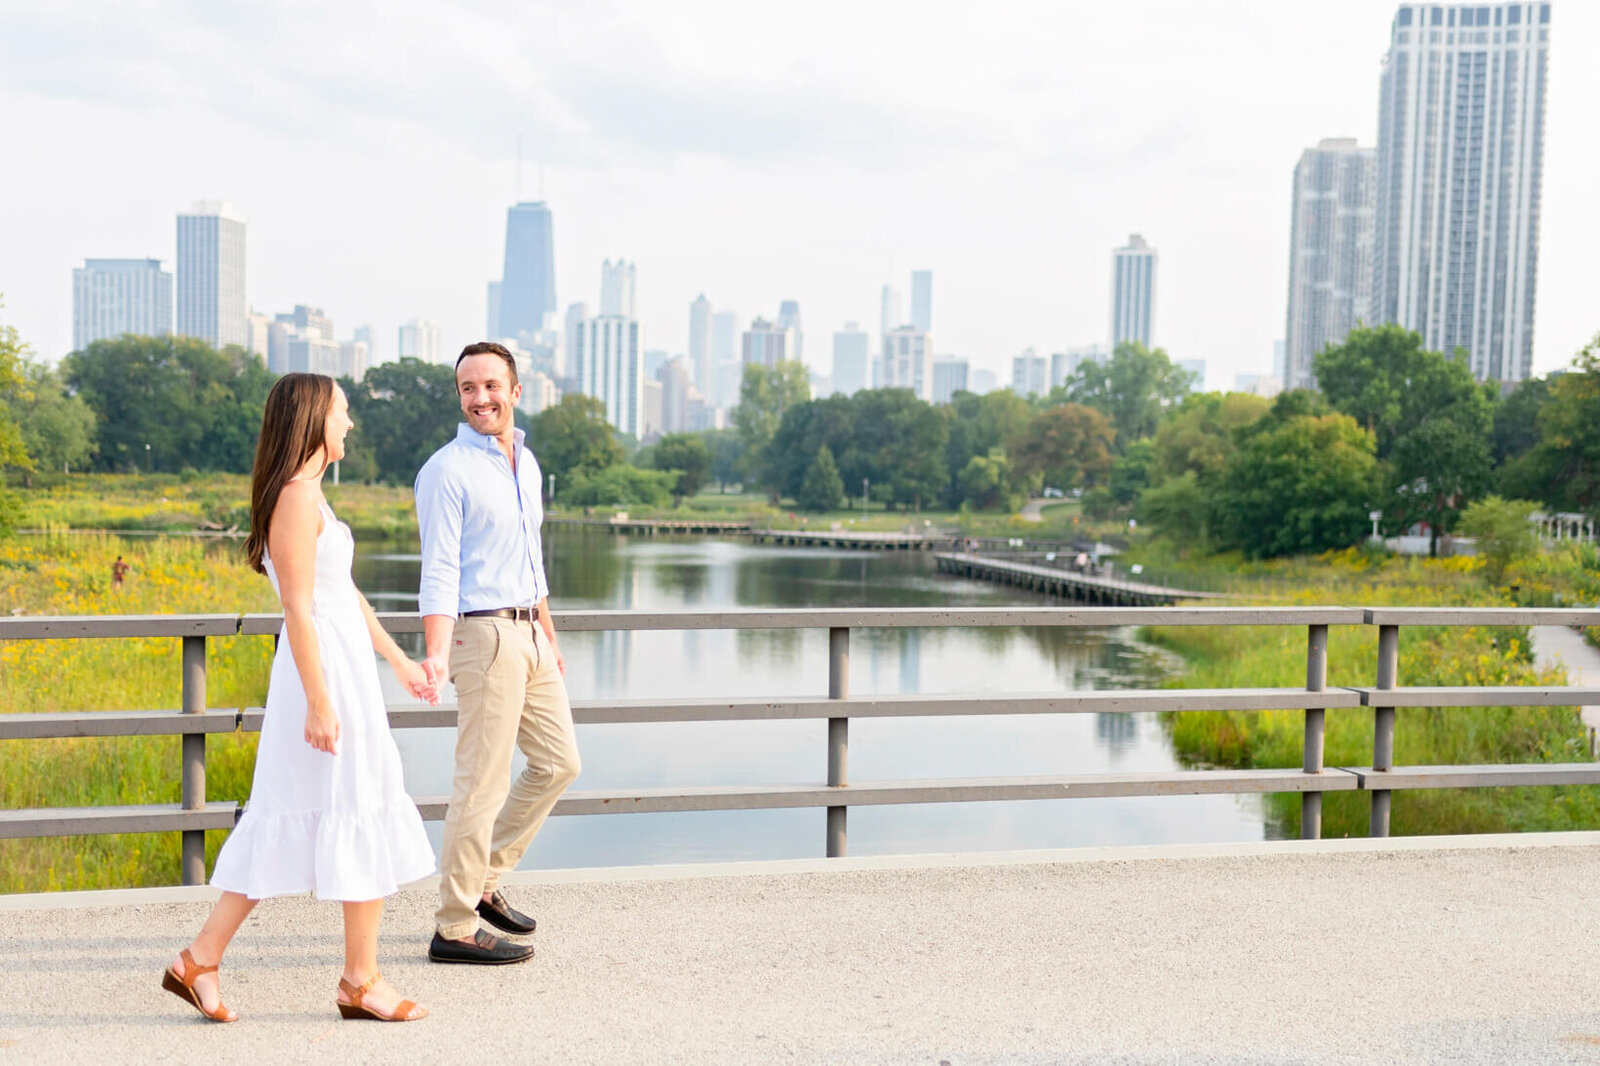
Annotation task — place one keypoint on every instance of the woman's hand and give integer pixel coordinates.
(322, 727)
(416, 680)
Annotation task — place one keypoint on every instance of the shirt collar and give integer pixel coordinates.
(472, 438)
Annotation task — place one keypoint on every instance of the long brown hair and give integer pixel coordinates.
(293, 426)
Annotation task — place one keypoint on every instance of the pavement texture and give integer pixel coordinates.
(1289, 955)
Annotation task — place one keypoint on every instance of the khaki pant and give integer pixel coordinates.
(509, 691)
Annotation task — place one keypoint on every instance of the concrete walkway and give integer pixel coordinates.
(1442, 950)
(1565, 647)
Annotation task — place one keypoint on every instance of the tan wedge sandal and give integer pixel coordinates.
(354, 1009)
(183, 987)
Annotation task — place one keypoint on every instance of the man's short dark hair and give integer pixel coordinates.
(491, 348)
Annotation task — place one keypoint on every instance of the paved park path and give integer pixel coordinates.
(1453, 950)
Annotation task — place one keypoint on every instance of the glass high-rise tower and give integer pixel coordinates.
(211, 300)
(1133, 292)
(1460, 154)
(1330, 252)
(528, 282)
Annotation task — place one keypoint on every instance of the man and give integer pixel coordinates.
(119, 571)
(486, 620)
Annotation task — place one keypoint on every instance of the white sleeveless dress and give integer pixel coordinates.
(341, 826)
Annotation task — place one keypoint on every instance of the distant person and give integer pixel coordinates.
(119, 571)
(328, 810)
(486, 618)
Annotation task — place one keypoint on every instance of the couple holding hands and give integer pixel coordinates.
(328, 810)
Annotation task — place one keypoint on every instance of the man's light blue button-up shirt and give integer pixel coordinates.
(480, 527)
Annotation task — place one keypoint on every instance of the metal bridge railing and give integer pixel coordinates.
(834, 791)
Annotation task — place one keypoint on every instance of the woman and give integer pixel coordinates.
(328, 809)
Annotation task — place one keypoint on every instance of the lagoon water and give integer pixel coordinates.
(597, 569)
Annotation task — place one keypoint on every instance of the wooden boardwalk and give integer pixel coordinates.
(822, 538)
(1068, 584)
(653, 526)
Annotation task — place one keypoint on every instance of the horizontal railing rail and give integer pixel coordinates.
(195, 721)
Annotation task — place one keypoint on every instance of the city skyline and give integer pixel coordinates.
(1025, 266)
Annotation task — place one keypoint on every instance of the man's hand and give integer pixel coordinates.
(437, 670)
(416, 681)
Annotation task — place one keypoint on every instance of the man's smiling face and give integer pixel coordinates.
(483, 382)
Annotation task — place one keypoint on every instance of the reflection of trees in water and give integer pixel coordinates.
(582, 565)
(687, 580)
(780, 647)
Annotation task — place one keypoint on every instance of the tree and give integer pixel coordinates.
(1503, 532)
(1564, 467)
(727, 455)
(1132, 388)
(170, 402)
(898, 442)
(404, 412)
(764, 395)
(805, 427)
(1298, 485)
(57, 429)
(984, 483)
(687, 455)
(1387, 382)
(573, 438)
(1133, 472)
(1199, 437)
(1067, 446)
(13, 391)
(1516, 419)
(822, 490)
(618, 484)
(1178, 507)
(1440, 467)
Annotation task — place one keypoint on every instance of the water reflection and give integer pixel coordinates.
(603, 570)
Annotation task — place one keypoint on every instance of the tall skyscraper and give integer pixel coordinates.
(700, 369)
(727, 370)
(789, 318)
(491, 321)
(616, 289)
(766, 344)
(675, 385)
(908, 361)
(1330, 250)
(922, 300)
(852, 351)
(888, 310)
(211, 301)
(111, 297)
(368, 336)
(608, 365)
(1133, 291)
(1460, 157)
(577, 314)
(1029, 374)
(419, 339)
(528, 278)
(949, 378)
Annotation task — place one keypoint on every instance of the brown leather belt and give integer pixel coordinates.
(516, 614)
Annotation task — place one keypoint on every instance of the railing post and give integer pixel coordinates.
(1316, 721)
(194, 759)
(838, 733)
(1383, 727)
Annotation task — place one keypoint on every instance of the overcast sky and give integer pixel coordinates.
(752, 151)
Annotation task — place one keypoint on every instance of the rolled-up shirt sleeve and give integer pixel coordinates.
(439, 517)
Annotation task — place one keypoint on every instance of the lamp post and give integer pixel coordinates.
(148, 462)
(1375, 516)
(864, 483)
(552, 488)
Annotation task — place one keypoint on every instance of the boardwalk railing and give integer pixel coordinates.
(834, 791)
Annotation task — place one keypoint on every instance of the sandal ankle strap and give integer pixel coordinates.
(192, 969)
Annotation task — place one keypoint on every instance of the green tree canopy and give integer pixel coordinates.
(688, 456)
(13, 392)
(1199, 437)
(1384, 379)
(980, 426)
(619, 483)
(822, 489)
(898, 442)
(1133, 388)
(57, 429)
(1299, 485)
(170, 402)
(574, 437)
(1503, 532)
(404, 412)
(1563, 469)
(727, 455)
(1067, 446)
(1439, 467)
(985, 482)
(764, 395)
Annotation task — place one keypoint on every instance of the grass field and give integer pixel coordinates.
(1249, 657)
(70, 574)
